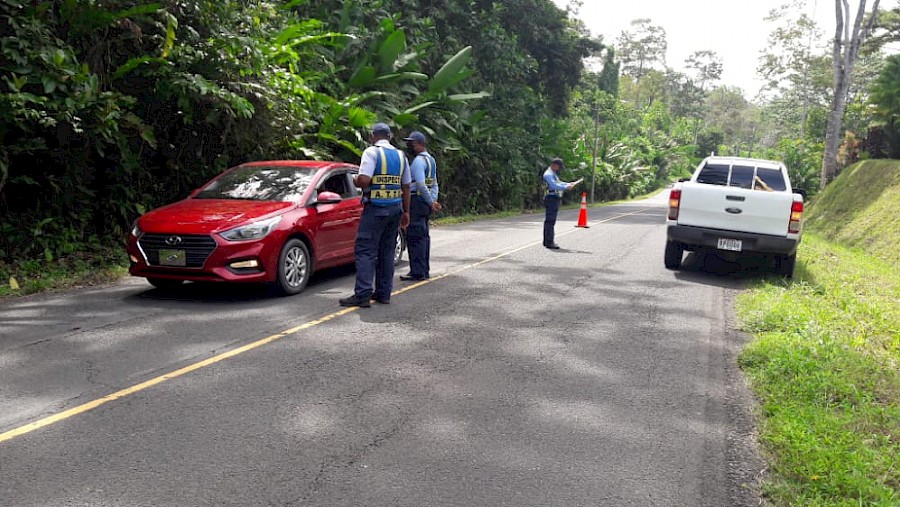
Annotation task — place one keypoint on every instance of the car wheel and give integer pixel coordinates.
(165, 283)
(294, 267)
(399, 247)
(674, 252)
(785, 265)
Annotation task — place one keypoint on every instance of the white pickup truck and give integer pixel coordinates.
(736, 206)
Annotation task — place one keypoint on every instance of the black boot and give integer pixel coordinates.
(355, 300)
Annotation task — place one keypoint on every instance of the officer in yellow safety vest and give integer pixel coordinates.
(424, 201)
(384, 178)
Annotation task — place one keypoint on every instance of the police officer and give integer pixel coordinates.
(384, 179)
(555, 189)
(423, 203)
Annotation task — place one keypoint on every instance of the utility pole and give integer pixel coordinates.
(594, 152)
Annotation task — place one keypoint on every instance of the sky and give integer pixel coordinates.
(735, 29)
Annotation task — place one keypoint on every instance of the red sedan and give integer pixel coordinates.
(262, 222)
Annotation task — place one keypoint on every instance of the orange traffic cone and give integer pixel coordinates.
(582, 215)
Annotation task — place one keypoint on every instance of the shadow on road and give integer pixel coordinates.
(710, 269)
(200, 292)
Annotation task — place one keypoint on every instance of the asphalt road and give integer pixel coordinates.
(516, 376)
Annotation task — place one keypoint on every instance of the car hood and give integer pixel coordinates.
(204, 216)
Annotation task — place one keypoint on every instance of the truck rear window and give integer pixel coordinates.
(713, 174)
(770, 179)
(741, 176)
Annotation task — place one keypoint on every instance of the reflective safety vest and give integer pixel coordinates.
(389, 168)
(430, 173)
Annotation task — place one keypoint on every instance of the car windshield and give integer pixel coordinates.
(260, 183)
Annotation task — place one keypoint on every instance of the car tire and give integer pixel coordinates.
(165, 283)
(785, 265)
(294, 267)
(399, 247)
(674, 253)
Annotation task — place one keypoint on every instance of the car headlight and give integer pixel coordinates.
(256, 230)
(135, 230)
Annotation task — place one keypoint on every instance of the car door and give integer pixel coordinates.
(336, 222)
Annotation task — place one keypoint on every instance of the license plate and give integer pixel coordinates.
(730, 244)
(172, 258)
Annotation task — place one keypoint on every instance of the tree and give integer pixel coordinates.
(727, 111)
(608, 80)
(887, 30)
(642, 49)
(706, 66)
(608, 84)
(788, 60)
(885, 97)
(684, 97)
(845, 50)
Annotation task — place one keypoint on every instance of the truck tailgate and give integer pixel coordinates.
(733, 208)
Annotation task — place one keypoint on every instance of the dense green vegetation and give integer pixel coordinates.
(826, 360)
(112, 107)
(861, 209)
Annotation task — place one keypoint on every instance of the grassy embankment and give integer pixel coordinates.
(825, 363)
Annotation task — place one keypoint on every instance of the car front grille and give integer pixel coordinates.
(196, 248)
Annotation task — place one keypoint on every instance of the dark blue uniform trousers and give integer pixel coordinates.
(551, 203)
(374, 249)
(418, 238)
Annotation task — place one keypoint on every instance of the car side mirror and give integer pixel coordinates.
(327, 197)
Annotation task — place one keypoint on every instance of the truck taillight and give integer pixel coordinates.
(796, 217)
(674, 203)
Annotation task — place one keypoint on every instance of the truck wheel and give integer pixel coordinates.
(785, 265)
(294, 268)
(165, 283)
(674, 252)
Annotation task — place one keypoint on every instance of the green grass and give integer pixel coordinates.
(825, 363)
(87, 268)
(825, 366)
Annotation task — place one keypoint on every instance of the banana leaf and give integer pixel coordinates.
(448, 74)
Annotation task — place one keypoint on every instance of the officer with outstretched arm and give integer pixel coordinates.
(555, 189)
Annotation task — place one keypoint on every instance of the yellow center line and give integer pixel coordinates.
(80, 409)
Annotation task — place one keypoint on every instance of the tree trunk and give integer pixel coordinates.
(594, 155)
(845, 49)
(833, 135)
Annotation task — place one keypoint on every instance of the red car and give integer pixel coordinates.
(262, 222)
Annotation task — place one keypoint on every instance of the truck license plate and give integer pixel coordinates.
(730, 244)
(172, 258)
